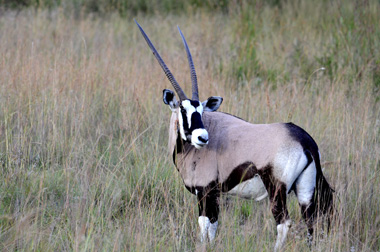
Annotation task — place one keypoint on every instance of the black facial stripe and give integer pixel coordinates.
(195, 104)
(184, 121)
(196, 121)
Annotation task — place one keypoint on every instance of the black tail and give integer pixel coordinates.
(323, 196)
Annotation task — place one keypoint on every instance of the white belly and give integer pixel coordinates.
(250, 189)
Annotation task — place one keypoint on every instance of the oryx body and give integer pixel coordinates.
(215, 162)
(214, 152)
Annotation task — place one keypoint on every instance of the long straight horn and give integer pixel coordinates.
(168, 74)
(194, 80)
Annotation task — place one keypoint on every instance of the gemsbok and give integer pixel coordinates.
(215, 151)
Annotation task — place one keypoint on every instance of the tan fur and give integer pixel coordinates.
(232, 142)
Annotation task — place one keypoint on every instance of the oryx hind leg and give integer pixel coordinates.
(280, 214)
(208, 204)
(305, 187)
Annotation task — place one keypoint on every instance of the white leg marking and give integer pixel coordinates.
(305, 184)
(282, 230)
(212, 231)
(204, 224)
(309, 239)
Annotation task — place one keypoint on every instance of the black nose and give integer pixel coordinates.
(202, 139)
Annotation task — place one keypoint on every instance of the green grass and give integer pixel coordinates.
(83, 129)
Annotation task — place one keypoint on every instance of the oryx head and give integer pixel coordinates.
(189, 111)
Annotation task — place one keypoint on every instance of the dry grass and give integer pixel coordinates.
(84, 130)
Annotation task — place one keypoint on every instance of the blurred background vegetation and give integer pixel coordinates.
(352, 25)
(123, 7)
(355, 21)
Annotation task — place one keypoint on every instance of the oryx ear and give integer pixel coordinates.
(169, 99)
(212, 103)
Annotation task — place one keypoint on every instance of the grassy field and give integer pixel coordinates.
(83, 129)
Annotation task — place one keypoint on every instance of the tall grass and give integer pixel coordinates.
(83, 127)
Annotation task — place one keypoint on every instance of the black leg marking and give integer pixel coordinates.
(277, 194)
(278, 203)
(308, 216)
(208, 202)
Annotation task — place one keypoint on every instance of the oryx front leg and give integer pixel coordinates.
(208, 213)
(282, 231)
(207, 228)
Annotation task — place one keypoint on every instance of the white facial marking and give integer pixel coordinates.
(181, 130)
(306, 183)
(189, 111)
(204, 224)
(200, 109)
(282, 231)
(199, 133)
